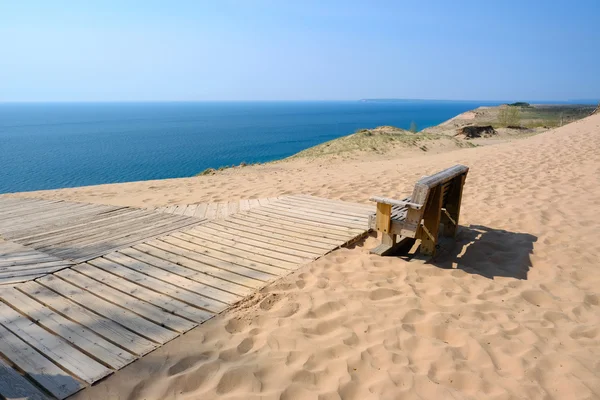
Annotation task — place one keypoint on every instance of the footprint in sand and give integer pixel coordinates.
(245, 345)
(186, 363)
(383, 293)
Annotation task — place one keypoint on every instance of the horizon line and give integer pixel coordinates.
(292, 101)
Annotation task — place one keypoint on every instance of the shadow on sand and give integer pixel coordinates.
(484, 251)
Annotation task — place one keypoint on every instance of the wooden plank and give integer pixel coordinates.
(91, 234)
(89, 221)
(156, 298)
(222, 210)
(189, 247)
(170, 209)
(264, 201)
(174, 274)
(36, 366)
(359, 207)
(233, 207)
(32, 271)
(425, 184)
(190, 210)
(33, 258)
(37, 218)
(104, 327)
(120, 315)
(200, 210)
(212, 233)
(244, 205)
(328, 206)
(191, 257)
(262, 239)
(79, 336)
(278, 231)
(318, 233)
(290, 228)
(254, 203)
(383, 217)
(180, 209)
(35, 263)
(103, 289)
(269, 236)
(17, 279)
(313, 223)
(15, 386)
(215, 248)
(53, 347)
(121, 265)
(92, 223)
(211, 211)
(50, 218)
(431, 222)
(313, 215)
(325, 209)
(127, 239)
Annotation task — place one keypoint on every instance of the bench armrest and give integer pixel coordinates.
(400, 203)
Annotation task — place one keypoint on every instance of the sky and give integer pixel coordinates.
(224, 50)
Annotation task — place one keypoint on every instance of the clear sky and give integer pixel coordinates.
(122, 50)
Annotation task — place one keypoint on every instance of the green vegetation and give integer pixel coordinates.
(379, 141)
(509, 116)
(212, 171)
(520, 104)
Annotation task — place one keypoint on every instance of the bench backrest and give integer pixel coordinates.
(445, 178)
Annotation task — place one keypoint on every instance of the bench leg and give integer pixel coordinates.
(388, 241)
(389, 246)
(431, 223)
(453, 208)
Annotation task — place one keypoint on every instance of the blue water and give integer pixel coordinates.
(54, 145)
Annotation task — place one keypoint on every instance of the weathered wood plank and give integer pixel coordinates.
(142, 274)
(190, 210)
(314, 215)
(290, 228)
(120, 315)
(191, 256)
(39, 368)
(284, 250)
(250, 224)
(244, 205)
(100, 349)
(211, 211)
(53, 347)
(271, 237)
(174, 274)
(214, 248)
(15, 386)
(104, 327)
(100, 288)
(323, 206)
(313, 223)
(383, 217)
(200, 210)
(151, 296)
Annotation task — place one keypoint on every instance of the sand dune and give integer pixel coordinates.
(513, 311)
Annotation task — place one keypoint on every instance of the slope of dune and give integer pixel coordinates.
(512, 311)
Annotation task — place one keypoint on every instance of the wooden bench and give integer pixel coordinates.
(435, 199)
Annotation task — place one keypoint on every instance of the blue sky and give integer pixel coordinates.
(304, 50)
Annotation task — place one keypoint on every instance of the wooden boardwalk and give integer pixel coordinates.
(69, 328)
(217, 210)
(55, 232)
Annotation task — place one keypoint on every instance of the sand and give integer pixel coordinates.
(512, 311)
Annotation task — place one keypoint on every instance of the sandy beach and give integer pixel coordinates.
(511, 312)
